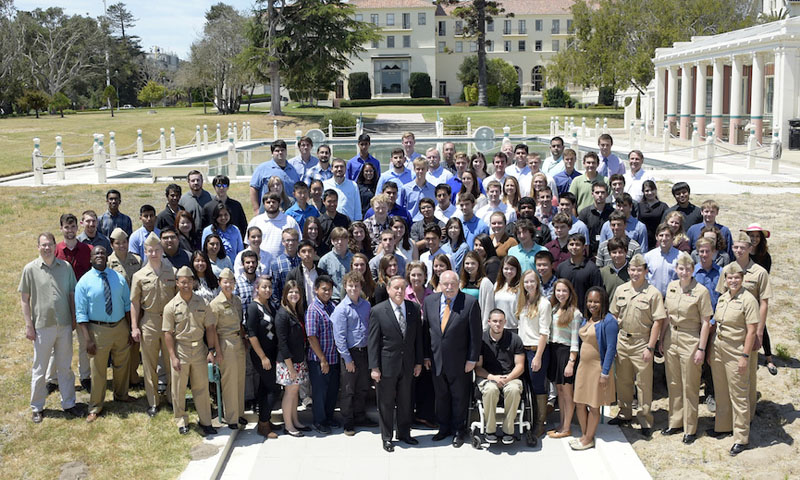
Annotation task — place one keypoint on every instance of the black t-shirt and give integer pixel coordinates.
(583, 277)
(691, 214)
(594, 221)
(498, 357)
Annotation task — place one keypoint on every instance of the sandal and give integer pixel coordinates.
(559, 434)
(772, 369)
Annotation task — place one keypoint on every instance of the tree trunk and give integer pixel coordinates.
(252, 89)
(37, 112)
(62, 113)
(274, 72)
(480, 6)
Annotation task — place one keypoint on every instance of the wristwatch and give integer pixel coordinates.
(651, 349)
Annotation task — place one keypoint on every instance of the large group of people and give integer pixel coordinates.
(423, 281)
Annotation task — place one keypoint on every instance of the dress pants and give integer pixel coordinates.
(512, 392)
(752, 370)
(538, 379)
(152, 343)
(395, 392)
(452, 401)
(232, 377)
(324, 391)
(110, 340)
(194, 367)
(84, 369)
(268, 391)
(424, 396)
(52, 343)
(629, 363)
(355, 388)
(731, 387)
(133, 363)
(683, 380)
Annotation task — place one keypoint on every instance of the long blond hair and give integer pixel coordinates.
(565, 315)
(527, 302)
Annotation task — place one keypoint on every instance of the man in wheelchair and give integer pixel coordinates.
(498, 371)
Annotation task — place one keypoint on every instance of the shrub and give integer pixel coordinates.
(511, 99)
(202, 104)
(471, 94)
(557, 97)
(340, 119)
(391, 101)
(419, 83)
(358, 86)
(605, 96)
(455, 124)
(493, 95)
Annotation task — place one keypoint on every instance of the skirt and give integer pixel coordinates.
(559, 357)
(283, 378)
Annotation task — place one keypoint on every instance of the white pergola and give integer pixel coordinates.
(754, 76)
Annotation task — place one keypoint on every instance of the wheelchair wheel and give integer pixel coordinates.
(476, 438)
(531, 439)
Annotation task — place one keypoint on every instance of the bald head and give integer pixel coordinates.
(449, 282)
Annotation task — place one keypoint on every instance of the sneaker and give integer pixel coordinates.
(36, 417)
(322, 428)
(349, 430)
(491, 438)
(508, 440)
(711, 404)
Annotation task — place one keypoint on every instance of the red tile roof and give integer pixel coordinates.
(392, 3)
(524, 7)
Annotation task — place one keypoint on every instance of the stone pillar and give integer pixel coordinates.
(700, 97)
(787, 76)
(686, 100)
(716, 96)
(736, 101)
(658, 107)
(757, 97)
(672, 97)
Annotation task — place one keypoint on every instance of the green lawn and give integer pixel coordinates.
(16, 134)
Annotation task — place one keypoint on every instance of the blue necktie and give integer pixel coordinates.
(107, 292)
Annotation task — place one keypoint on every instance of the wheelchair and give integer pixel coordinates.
(524, 416)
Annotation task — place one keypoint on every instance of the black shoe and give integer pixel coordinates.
(619, 421)
(37, 417)
(689, 439)
(183, 430)
(409, 440)
(458, 440)
(152, 411)
(387, 445)
(671, 430)
(322, 428)
(332, 424)
(233, 426)
(208, 430)
(304, 429)
(242, 421)
(296, 434)
(162, 388)
(646, 432)
(74, 411)
(441, 435)
(86, 384)
(715, 434)
(51, 387)
(738, 448)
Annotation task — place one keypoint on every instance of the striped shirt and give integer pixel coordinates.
(318, 324)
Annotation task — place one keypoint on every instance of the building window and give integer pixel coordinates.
(555, 45)
(406, 41)
(506, 27)
(523, 29)
(490, 26)
(473, 46)
(507, 46)
(442, 46)
(556, 29)
(459, 47)
(421, 18)
(391, 76)
(537, 78)
(442, 89)
(373, 18)
(359, 17)
(390, 19)
(569, 26)
(406, 21)
(537, 47)
(521, 46)
(539, 25)
(442, 28)
(375, 44)
(390, 41)
(489, 46)
(459, 27)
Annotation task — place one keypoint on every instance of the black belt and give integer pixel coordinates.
(359, 349)
(105, 324)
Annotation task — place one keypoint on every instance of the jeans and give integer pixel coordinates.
(324, 391)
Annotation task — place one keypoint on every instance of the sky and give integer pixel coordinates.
(170, 24)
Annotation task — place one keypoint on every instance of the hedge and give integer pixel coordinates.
(358, 86)
(376, 102)
(420, 86)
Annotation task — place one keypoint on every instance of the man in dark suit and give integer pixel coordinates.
(395, 354)
(453, 322)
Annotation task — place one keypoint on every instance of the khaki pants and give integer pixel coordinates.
(110, 340)
(683, 380)
(52, 343)
(151, 345)
(84, 369)
(629, 364)
(232, 371)
(133, 364)
(730, 391)
(194, 367)
(752, 369)
(512, 391)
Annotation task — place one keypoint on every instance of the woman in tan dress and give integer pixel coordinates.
(594, 384)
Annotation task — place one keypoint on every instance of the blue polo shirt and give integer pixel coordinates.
(300, 215)
(564, 180)
(412, 194)
(391, 176)
(634, 229)
(268, 169)
(90, 300)
(472, 228)
(526, 257)
(709, 279)
(355, 164)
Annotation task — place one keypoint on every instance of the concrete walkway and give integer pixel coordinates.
(399, 118)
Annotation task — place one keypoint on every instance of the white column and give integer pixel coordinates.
(700, 97)
(672, 96)
(787, 76)
(686, 100)
(658, 107)
(716, 96)
(757, 96)
(736, 100)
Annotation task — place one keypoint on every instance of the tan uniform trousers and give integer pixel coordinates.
(151, 345)
(512, 391)
(683, 379)
(752, 369)
(133, 364)
(110, 340)
(629, 364)
(232, 370)
(194, 366)
(730, 390)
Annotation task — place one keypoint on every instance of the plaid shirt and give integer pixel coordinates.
(318, 324)
(375, 229)
(547, 288)
(317, 173)
(244, 290)
(280, 268)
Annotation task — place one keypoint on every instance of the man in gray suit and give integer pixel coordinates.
(453, 322)
(395, 354)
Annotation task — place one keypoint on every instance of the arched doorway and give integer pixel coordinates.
(537, 78)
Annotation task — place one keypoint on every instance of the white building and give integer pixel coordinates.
(420, 36)
(168, 61)
(747, 76)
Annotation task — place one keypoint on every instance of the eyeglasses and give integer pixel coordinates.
(222, 185)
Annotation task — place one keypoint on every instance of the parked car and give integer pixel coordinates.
(128, 106)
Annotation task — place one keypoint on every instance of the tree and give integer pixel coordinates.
(498, 72)
(622, 35)
(476, 13)
(110, 97)
(119, 17)
(419, 85)
(60, 102)
(152, 93)
(11, 72)
(35, 100)
(261, 56)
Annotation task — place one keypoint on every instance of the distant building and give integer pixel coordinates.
(779, 7)
(168, 61)
(420, 36)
